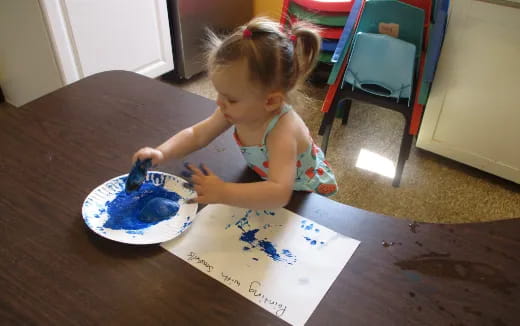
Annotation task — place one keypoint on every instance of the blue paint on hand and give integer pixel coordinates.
(124, 209)
(137, 175)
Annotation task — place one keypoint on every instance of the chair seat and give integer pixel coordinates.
(326, 5)
(381, 65)
(329, 32)
(322, 18)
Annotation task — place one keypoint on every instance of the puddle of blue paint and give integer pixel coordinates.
(124, 209)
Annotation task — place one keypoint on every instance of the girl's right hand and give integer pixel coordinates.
(149, 153)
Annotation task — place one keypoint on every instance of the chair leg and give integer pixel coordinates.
(326, 126)
(323, 124)
(404, 153)
(346, 112)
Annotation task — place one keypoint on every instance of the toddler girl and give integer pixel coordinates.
(254, 71)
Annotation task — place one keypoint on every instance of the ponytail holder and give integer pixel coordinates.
(292, 37)
(247, 34)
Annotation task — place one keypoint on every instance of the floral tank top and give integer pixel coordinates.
(313, 172)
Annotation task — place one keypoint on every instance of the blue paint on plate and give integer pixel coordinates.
(124, 209)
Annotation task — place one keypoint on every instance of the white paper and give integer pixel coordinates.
(288, 279)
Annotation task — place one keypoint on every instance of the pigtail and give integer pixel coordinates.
(307, 42)
(212, 44)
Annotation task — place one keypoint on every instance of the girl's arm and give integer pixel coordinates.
(272, 193)
(187, 140)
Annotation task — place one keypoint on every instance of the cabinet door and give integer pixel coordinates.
(90, 36)
(473, 112)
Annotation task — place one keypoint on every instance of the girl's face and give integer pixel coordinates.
(239, 99)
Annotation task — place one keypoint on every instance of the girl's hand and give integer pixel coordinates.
(208, 186)
(149, 153)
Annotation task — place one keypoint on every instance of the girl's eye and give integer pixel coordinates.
(232, 101)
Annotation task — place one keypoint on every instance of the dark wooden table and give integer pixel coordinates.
(54, 270)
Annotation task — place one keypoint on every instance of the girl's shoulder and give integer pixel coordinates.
(290, 124)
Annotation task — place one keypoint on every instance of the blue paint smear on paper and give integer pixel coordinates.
(309, 227)
(313, 242)
(125, 208)
(249, 236)
(185, 226)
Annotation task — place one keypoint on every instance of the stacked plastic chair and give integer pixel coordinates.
(382, 65)
(330, 16)
(380, 36)
(385, 65)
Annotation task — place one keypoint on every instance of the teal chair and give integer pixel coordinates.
(410, 20)
(381, 65)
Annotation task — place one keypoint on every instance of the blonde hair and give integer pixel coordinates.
(278, 58)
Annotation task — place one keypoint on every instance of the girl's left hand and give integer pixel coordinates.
(208, 186)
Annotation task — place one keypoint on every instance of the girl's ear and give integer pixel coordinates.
(274, 101)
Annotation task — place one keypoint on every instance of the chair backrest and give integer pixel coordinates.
(381, 65)
(408, 19)
(425, 5)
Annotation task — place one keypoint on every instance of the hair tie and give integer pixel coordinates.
(292, 37)
(247, 34)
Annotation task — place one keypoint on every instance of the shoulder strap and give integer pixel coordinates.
(285, 108)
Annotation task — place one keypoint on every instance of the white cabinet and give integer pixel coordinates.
(473, 112)
(47, 44)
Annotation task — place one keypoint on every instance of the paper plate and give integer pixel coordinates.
(96, 210)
